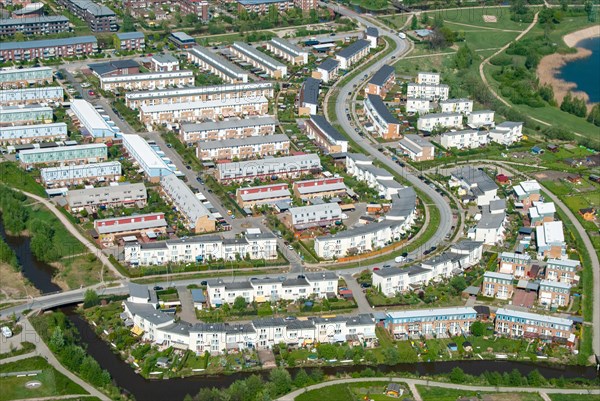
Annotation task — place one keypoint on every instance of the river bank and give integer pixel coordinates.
(550, 66)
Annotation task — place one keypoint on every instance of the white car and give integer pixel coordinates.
(6, 332)
(85, 85)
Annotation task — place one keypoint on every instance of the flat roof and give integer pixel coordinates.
(182, 37)
(416, 313)
(33, 20)
(62, 148)
(226, 88)
(534, 316)
(501, 276)
(157, 108)
(89, 116)
(228, 124)
(36, 44)
(130, 35)
(550, 233)
(249, 141)
(144, 150)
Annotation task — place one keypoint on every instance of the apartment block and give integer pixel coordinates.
(287, 51)
(417, 148)
(517, 324)
(197, 217)
(147, 81)
(195, 7)
(262, 6)
(562, 270)
(382, 81)
(350, 55)
(80, 174)
(497, 285)
(490, 229)
(245, 148)
(372, 36)
(15, 97)
(217, 65)
(131, 40)
(41, 25)
(386, 125)
(124, 195)
(462, 106)
(23, 115)
(431, 92)
(320, 215)
(325, 135)
(428, 78)
(262, 195)
(259, 59)
(48, 49)
(182, 40)
(78, 154)
(99, 17)
(467, 139)
(439, 322)
(480, 118)
(554, 293)
(24, 134)
(228, 129)
(474, 183)
(417, 105)
(14, 77)
(319, 188)
(281, 167)
(507, 133)
(435, 121)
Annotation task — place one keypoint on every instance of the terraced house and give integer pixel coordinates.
(288, 51)
(562, 270)
(42, 25)
(259, 59)
(441, 322)
(234, 128)
(262, 195)
(77, 154)
(13, 77)
(386, 125)
(554, 293)
(517, 324)
(23, 134)
(497, 285)
(217, 65)
(147, 81)
(48, 49)
(246, 148)
(15, 97)
(280, 167)
(23, 115)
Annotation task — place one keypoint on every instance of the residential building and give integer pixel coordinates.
(308, 97)
(23, 115)
(462, 106)
(99, 17)
(146, 157)
(382, 81)
(198, 8)
(93, 199)
(92, 123)
(228, 129)
(134, 100)
(202, 248)
(417, 148)
(517, 324)
(306, 5)
(78, 154)
(80, 174)
(497, 285)
(386, 125)
(418, 105)
(287, 51)
(320, 215)
(490, 228)
(428, 78)
(14, 77)
(115, 68)
(353, 53)
(328, 70)
(48, 49)
(426, 322)
(475, 183)
(147, 81)
(468, 139)
(262, 6)
(438, 121)
(151, 225)
(319, 188)
(372, 36)
(526, 193)
(541, 212)
(551, 240)
(562, 270)
(507, 133)
(262, 195)
(288, 166)
(394, 280)
(325, 135)
(480, 118)
(258, 59)
(197, 217)
(554, 294)
(164, 63)
(182, 40)
(245, 148)
(131, 41)
(217, 65)
(24, 134)
(427, 91)
(40, 25)
(516, 264)
(195, 111)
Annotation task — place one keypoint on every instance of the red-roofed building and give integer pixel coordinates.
(503, 179)
(262, 195)
(110, 229)
(319, 188)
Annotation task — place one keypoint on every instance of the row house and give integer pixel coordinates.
(91, 122)
(497, 285)
(24, 134)
(417, 148)
(554, 293)
(550, 238)
(23, 115)
(541, 212)
(562, 270)
(201, 248)
(145, 157)
(131, 41)
(325, 135)
(77, 154)
(436, 121)
(391, 281)
(462, 106)
(507, 133)
(196, 215)
(99, 17)
(196, 111)
(480, 118)
(217, 65)
(42, 25)
(308, 97)
(382, 81)
(428, 322)
(270, 168)
(263, 6)
(386, 125)
(258, 59)
(517, 324)
(110, 229)
(319, 188)
(225, 92)
(124, 195)
(320, 215)
(235, 128)
(360, 167)
(427, 91)
(474, 183)
(262, 195)
(467, 139)
(287, 51)
(15, 97)
(14, 77)
(328, 70)
(526, 193)
(516, 264)
(147, 81)
(246, 148)
(418, 105)
(352, 54)
(80, 174)
(428, 78)
(48, 49)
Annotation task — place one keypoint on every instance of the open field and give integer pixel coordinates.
(14, 284)
(444, 394)
(345, 392)
(475, 16)
(574, 397)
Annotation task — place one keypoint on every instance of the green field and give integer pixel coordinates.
(574, 397)
(444, 394)
(346, 392)
(474, 16)
(486, 39)
(14, 177)
(53, 382)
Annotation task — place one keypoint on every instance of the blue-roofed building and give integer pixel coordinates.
(198, 298)
(39, 25)
(48, 48)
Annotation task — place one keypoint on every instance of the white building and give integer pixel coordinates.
(197, 217)
(320, 215)
(80, 173)
(235, 128)
(24, 134)
(490, 229)
(91, 121)
(474, 183)
(77, 154)
(418, 105)
(144, 156)
(417, 148)
(164, 63)
(428, 78)
(467, 139)
(45, 94)
(217, 65)
(350, 55)
(427, 91)
(328, 70)
(259, 59)
(147, 81)
(126, 195)
(550, 239)
(244, 148)
(288, 51)
(463, 106)
(287, 166)
(481, 118)
(507, 133)
(308, 97)
(430, 122)
(372, 35)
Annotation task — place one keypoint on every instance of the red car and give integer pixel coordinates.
(375, 269)
(91, 93)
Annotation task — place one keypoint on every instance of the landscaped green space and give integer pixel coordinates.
(446, 394)
(15, 177)
(350, 391)
(53, 383)
(475, 16)
(574, 397)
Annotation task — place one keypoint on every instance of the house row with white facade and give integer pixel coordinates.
(80, 173)
(196, 216)
(287, 51)
(217, 65)
(233, 128)
(258, 59)
(147, 81)
(245, 148)
(44, 94)
(432, 92)
(281, 167)
(24, 134)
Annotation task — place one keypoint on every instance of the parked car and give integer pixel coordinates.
(157, 288)
(91, 93)
(204, 282)
(6, 332)
(376, 269)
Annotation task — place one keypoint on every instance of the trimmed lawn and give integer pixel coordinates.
(485, 39)
(474, 16)
(350, 391)
(574, 397)
(446, 394)
(397, 21)
(14, 177)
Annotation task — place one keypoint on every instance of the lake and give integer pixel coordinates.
(584, 72)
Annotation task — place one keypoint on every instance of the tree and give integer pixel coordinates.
(282, 381)
(464, 57)
(594, 116)
(391, 355)
(414, 23)
(327, 351)
(424, 18)
(535, 379)
(438, 20)
(57, 341)
(301, 379)
(477, 329)
(239, 304)
(457, 375)
(564, 5)
(90, 298)
(458, 284)
(128, 24)
(514, 378)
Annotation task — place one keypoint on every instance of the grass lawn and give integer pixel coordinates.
(53, 382)
(345, 392)
(63, 240)
(474, 16)
(14, 177)
(413, 65)
(445, 394)
(397, 21)
(485, 39)
(574, 397)
(73, 272)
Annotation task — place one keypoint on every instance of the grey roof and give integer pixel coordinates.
(491, 220)
(382, 75)
(141, 225)
(372, 31)
(382, 109)
(182, 328)
(147, 312)
(324, 125)
(475, 177)
(265, 235)
(258, 56)
(33, 20)
(96, 10)
(210, 328)
(198, 295)
(50, 43)
(467, 245)
(389, 272)
(130, 35)
(354, 48)
(361, 319)
(234, 123)
(249, 141)
(138, 290)
(498, 204)
(110, 66)
(329, 64)
(509, 124)
(286, 46)
(324, 276)
(295, 282)
(403, 203)
(268, 322)
(360, 157)
(165, 58)
(218, 62)
(183, 197)
(300, 324)
(102, 195)
(182, 37)
(310, 91)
